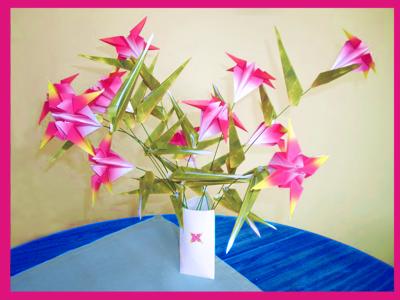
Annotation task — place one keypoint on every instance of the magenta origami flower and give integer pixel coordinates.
(110, 86)
(214, 117)
(179, 138)
(107, 166)
(269, 135)
(247, 78)
(289, 168)
(132, 45)
(73, 119)
(63, 87)
(355, 51)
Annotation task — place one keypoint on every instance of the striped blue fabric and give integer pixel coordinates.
(288, 259)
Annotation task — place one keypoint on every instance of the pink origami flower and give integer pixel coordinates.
(110, 86)
(179, 138)
(132, 45)
(247, 78)
(107, 166)
(73, 119)
(289, 168)
(214, 117)
(269, 135)
(355, 51)
(63, 87)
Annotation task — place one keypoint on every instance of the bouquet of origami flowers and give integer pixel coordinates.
(123, 101)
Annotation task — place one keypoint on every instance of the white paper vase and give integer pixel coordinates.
(197, 243)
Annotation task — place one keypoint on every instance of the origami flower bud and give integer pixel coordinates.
(355, 51)
(130, 46)
(289, 168)
(247, 77)
(110, 86)
(53, 95)
(269, 135)
(73, 119)
(107, 166)
(214, 117)
(179, 138)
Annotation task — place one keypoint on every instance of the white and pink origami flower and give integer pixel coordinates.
(63, 87)
(214, 117)
(289, 168)
(247, 77)
(110, 86)
(73, 118)
(130, 46)
(269, 135)
(355, 51)
(107, 166)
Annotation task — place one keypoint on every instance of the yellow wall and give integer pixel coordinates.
(350, 199)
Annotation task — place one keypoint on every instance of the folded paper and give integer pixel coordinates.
(73, 118)
(247, 77)
(214, 117)
(131, 45)
(107, 166)
(197, 240)
(355, 51)
(289, 168)
(269, 135)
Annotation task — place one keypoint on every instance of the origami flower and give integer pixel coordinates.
(110, 86)
(107, 166)
(129, 46)
(214, 117)
(289, 168)
(63, 87)
(73, 119)
(179, 138)
(354, 51)
(246, 77)
(269, 135)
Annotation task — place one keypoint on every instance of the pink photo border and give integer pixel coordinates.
(5, 111)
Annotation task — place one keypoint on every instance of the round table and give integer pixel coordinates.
(288, 259)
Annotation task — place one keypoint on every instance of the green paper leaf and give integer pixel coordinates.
(216, 92)
(177, 150)
(293, 86)
(138, 96)
(188, 174)
(236, 153)
(66, 146)
(158, 131)
(122, 64)
(218, 163)
(163, 140)
(145, 186)
(190, 133)
(151, 100)
(118, 105)
(159, 112)
(328, 76)
(232, 201)
(247, 204)
(177, 203)
(159, 186)
(266, 106)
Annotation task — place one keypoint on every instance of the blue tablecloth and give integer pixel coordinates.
(288, 259)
